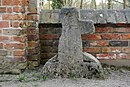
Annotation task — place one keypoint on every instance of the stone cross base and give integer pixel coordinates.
(70, 60)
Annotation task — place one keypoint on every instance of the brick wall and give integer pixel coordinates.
(110, 41)
(18, 33)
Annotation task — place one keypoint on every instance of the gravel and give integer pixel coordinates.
(119, 78)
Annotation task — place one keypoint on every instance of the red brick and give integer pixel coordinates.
(19, 53)
(112, 49)
(7, 17)
(125, 36)
(4, 38)
(9, 10)
(92, 49)
(11, 2)
(104, 30)
(4, 24)
(106, 56)
(19, 38)
(7, 2)
(17, 9)
(14, 46)
(17, 2)
(122, 30)
(13, 17)
(49, 37)
(99, 43)
(111, 36)
(2, 9)
(91, 37)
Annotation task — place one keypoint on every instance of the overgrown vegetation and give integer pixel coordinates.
(88, 4)
(57, 4)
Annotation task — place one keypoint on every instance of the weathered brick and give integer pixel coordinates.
(13, 32)
(14, 46)
(118, 43)
(49, 49)
(125, 36)
(7, 2)
(33, 17)
(104, 29)
(49, 43)
(49, 37)
(3, 52)
(1, 45)
(32, 51)
(0, 31)
(122, 56)
(17, 58)
(112, 49)
(19, 53)
(106, 56)
(33, 57)
(4, 24)
(111, 36)
(92, 49)
(18, 9)
(14, 24)
(91, 37)
(9, 10)
(4, 38)
(32, 37)
(126, 49)
(11, 2)
(122, 30)
(32, 31)
(2, 9)
(50, 30)
(32, 44)
(47, 55)
(99, 43)
(25, 2)
(13, 17)
(19, 38)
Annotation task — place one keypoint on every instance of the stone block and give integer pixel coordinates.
(118, 43)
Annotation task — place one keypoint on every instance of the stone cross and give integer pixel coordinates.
(70, 59)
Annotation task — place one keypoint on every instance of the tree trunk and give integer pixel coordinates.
(81, 4)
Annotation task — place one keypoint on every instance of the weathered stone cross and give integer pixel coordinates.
(70, 59)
